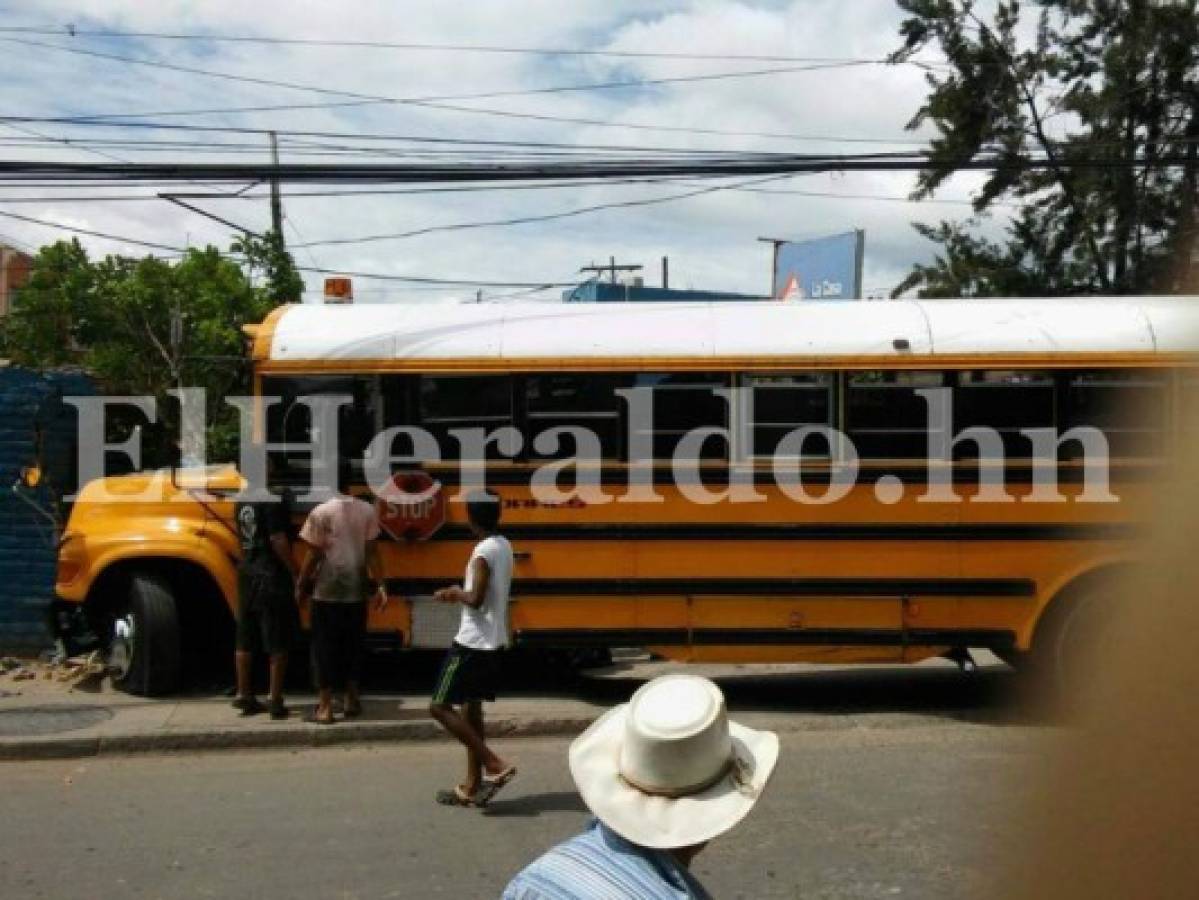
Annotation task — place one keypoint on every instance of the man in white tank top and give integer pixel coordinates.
(471, 667)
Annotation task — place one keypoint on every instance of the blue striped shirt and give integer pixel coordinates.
(601, 865)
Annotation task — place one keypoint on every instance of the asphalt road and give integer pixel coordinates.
(903, 807)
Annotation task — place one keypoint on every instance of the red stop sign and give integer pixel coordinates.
(411, 506)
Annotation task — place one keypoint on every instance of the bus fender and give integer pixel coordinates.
(1069, 584)
(219, 567)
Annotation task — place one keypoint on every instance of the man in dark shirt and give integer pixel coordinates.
(267, 619)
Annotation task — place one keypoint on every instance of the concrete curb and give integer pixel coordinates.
(308, 736)
(272, 738)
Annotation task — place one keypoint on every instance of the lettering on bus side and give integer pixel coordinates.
(579, 439)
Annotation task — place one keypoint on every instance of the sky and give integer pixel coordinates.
(711, 239)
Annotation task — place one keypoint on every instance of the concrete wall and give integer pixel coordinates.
(29, 402)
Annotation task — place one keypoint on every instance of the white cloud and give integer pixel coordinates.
(710, 239)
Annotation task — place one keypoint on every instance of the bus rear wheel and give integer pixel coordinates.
(1076, 637)
(144, 651)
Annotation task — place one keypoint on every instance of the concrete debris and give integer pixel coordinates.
(81, 668)
(72, 672)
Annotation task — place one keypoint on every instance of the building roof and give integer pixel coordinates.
(542, 334)
(606, 292)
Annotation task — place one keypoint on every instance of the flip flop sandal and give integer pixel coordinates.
(493, 784)
(313, 719)
(456, 797)
(352, 712)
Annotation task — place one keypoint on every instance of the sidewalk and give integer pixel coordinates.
(44, 718)
(45, 724)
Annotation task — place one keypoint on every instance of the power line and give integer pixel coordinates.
(355, 98)
(379, 276)
(436, 102)
(417, 139)
(108, 122)
(545, 217)
(42, 135)
(381, 173)
(456, 189)
(90, 233)
(73, 32)
(367, 192)
(307, 248)
(889, 198)
(488, 146)
(46, 137)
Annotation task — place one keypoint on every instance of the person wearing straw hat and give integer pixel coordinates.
(664, 774)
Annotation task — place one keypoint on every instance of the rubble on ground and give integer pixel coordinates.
(71, 672)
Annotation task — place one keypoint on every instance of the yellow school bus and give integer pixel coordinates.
(736, 543)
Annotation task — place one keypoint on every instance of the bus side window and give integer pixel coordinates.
(682, 402)
(1006, 401)
(398, 395)
(289, 421)
(1127, 405)
(452, 402)
(884, 416)
(575, 400)
(782, 403)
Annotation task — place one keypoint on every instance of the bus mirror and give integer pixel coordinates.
(31, 476)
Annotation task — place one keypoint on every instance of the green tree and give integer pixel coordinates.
(145, 327)
(267, 256)
(1113, 82)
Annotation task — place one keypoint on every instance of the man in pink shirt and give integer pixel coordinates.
(340, 573)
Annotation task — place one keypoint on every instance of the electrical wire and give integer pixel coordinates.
(473, 172)
(289, 142)
(73, 32)
(355, 98)
(91, 122)
(378, 276)
(544, 217)
(290, 223)
(412, 279)
(90, 233)
(291, 195)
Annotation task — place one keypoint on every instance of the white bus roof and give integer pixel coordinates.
(752, 331)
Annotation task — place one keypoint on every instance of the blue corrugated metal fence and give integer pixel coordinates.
(31, 402)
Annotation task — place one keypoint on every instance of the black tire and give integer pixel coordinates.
(1071, 642)
(153, 652)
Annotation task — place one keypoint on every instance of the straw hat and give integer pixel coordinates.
(668, 769)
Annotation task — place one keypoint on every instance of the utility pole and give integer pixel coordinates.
(276, 199)
(611, 268)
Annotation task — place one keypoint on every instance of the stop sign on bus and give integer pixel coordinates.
(411, 506)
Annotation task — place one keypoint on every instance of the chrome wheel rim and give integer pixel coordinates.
(120, 646)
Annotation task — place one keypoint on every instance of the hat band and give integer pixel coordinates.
(674, 793)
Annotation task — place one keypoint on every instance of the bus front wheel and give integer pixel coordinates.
(144, 652)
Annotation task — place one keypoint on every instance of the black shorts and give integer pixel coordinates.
(338, 639)
(267, 620)
(467, 675)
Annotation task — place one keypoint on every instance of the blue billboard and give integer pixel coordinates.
(827, 268)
